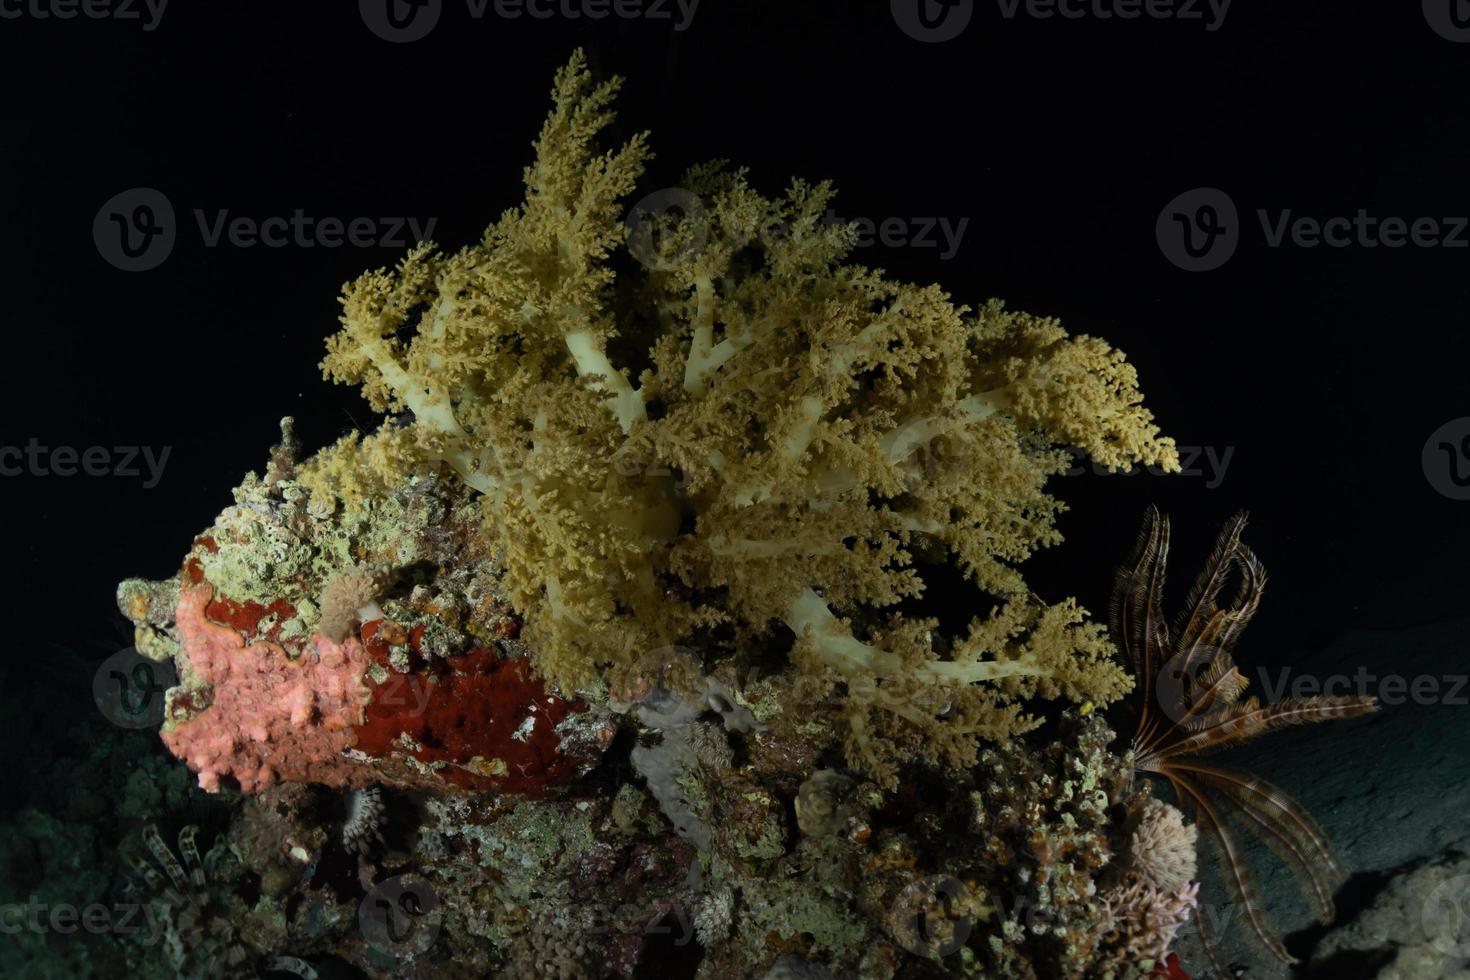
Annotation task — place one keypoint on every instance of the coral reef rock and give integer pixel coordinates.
(1415, 928)
(595, 657)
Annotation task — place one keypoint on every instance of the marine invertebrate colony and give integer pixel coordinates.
(285, 716)
(674, 478)
(749, 433)
(1188, 704)
(365, 818)
(1163, 847)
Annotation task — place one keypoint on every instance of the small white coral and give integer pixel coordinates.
(366, 815)
(712, 920)
(1163, 847)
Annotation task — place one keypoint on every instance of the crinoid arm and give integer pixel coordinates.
(1240, 879)
(1136, 614)
(177, 890)
(1187, 699)
(1243, 722)
(1283, 823)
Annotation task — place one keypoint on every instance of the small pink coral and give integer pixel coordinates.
(1145, 918)
(1163, 847)
(269, 717)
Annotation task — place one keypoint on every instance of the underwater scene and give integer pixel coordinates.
(702, 489)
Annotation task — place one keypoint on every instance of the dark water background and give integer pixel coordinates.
(1320, 371)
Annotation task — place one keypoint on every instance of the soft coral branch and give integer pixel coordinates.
(798, 425)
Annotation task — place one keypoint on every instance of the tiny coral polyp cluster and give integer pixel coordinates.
(678, 496)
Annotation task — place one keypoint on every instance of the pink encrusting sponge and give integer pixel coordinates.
(284, 719)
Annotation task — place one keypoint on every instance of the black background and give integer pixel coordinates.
(1323, 370)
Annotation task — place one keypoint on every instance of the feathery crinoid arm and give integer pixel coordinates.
(1136, 611)
(1240, 880)
(1205, 691)
(1204, 713)
(1250, 719)
(1204, 630)
(1276, 817)
(1197, 673)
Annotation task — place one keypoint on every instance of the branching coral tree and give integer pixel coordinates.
(740, 435)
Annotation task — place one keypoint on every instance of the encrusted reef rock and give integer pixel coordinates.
(597, 657)
(420, 684)
(1415, 928)
(1026, 870)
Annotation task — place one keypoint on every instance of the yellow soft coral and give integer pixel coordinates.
(740, 434)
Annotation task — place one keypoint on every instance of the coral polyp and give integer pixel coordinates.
(362, 830)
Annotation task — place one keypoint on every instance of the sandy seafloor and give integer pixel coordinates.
(1391, 792)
